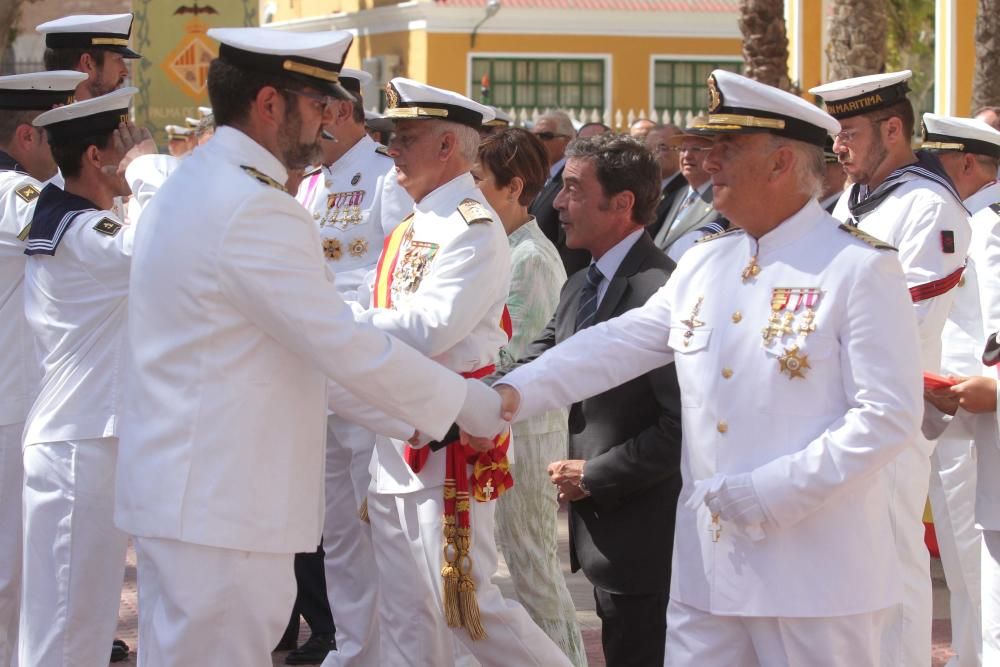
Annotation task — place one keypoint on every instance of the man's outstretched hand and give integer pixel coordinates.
(510, 401)
(471, 431)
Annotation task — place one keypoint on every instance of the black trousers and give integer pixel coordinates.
(310, 599)
(633, 628)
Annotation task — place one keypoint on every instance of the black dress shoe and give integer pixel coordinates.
(313, 652)
(119, 651)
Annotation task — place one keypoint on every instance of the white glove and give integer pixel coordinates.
(736, 502)
(480, 413)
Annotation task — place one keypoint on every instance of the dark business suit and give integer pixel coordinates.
(630, 436)
(676, 187)
(548, 221)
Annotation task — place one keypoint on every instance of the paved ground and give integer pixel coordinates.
(582, 595)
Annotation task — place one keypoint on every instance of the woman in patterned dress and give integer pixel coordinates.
(510, 171)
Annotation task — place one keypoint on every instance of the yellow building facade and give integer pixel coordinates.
(593, 56)
(644, 56)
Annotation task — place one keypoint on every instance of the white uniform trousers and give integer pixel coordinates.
(991, 597)
(11, 489)
(74, 557)
(698, 638)
(407, 535)
(351, 574)
(906, 637)
(205, 605)
(953, 500)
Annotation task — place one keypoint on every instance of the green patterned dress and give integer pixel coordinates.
(526, 516)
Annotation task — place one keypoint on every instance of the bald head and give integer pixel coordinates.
(658, 143)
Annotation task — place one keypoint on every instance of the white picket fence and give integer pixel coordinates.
(617, 120)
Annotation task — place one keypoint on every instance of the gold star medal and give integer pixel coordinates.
(793, 363)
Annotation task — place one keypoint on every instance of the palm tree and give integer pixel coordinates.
(765, 42)
(857, 34)
(986, 84)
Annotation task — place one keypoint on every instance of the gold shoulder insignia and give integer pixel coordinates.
(23, 236)
(262, 177)
(473, 212)
(718, 235)
(867, 238)
(28, 193)
(382, 150)
(107, 226)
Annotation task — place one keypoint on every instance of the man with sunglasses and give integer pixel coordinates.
(555, 130)
(908, 201)
(235, 327)
(685, 222)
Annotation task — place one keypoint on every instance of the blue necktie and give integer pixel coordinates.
(588, 298)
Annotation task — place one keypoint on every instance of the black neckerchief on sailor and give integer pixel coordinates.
(7, 163)
(54, 213)
(928, 166)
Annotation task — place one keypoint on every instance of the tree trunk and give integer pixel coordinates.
(10, 12)
(986, 84)
(857, 35)
(765, 42)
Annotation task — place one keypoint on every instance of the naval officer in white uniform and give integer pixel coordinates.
(441, 285)
(907, 201)
(792, 402)
(75, 295)
(356, 200)
(969, 151)
(25, 162)
(234, 327)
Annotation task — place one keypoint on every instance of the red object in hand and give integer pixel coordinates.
(933, 381)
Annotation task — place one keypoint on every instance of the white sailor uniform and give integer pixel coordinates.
(76, 290)
(449, 289)
(784, 377)
(18, 385)
(356, 201)
(930, 227)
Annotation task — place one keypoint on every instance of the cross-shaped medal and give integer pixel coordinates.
(751, 270)
(715, 529)
(488, 489)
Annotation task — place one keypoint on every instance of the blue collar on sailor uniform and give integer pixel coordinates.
(8, 163)
(55, 211)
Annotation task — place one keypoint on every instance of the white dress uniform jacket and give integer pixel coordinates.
(912, 218)
(811, 442)
(356, 201)
(18, 363)
(234, 327)
(450, 310)
(76, 305)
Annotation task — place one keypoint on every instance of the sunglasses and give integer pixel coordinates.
(324, 101)
(548, 136)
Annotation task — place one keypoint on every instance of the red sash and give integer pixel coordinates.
(490, 470)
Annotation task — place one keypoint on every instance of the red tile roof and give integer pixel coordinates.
(710, 6)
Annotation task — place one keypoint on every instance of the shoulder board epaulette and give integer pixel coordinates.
(382, 150)
(311, 172)
(262, 177)
(995, 208)
(23, 236)
(28, 193)
(718, 235)
(867, 238)
(409, 217)
(473, 212)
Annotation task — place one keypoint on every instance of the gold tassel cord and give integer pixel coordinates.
(363, 511)
(469, 605)
(450, 574)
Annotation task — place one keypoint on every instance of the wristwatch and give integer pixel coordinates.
(583, 487)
